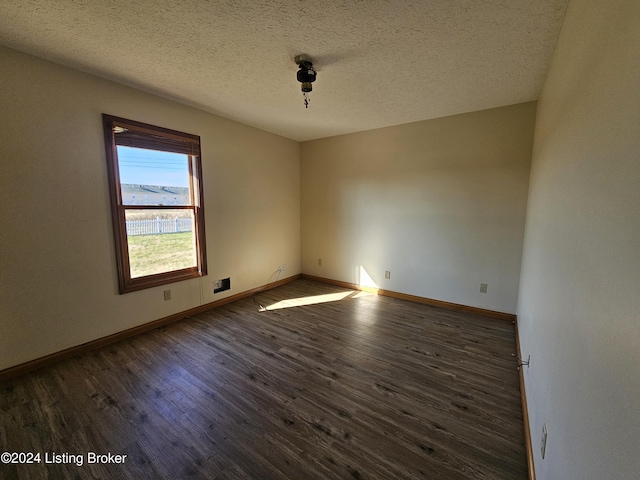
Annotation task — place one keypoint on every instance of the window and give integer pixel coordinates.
(155, 179)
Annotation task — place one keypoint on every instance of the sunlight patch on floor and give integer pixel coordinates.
(312, 300)
(365, 293)
(366, 287)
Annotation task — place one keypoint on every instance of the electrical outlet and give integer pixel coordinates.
(319, 262)
(543, 440)
(387, 274)
(483, 288)
(167, 295)
(217, 284)
(284, 267)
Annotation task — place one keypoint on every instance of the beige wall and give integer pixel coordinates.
(439, 203)
(58, 277)
(579, 302)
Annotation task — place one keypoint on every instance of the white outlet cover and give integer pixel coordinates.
(543, 440)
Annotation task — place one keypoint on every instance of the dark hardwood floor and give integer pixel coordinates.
(355, 386)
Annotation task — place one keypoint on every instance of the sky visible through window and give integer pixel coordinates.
(151, 167)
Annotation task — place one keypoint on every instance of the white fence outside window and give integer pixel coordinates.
(155, 226)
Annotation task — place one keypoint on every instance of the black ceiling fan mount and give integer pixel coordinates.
(306, 76)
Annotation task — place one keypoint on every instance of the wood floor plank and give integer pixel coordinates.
(325, 383)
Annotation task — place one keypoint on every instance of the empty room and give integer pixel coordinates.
(286, 239)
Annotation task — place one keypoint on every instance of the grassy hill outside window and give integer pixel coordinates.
(155, 181)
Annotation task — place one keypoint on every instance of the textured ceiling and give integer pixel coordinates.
(379, 62)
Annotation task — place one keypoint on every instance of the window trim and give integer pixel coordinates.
(166, 140)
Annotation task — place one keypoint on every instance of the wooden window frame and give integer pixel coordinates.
(148, 136)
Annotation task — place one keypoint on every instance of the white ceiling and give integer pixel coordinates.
(379, 62)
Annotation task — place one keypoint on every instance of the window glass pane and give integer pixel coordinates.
(160, 241)
(152, 177)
